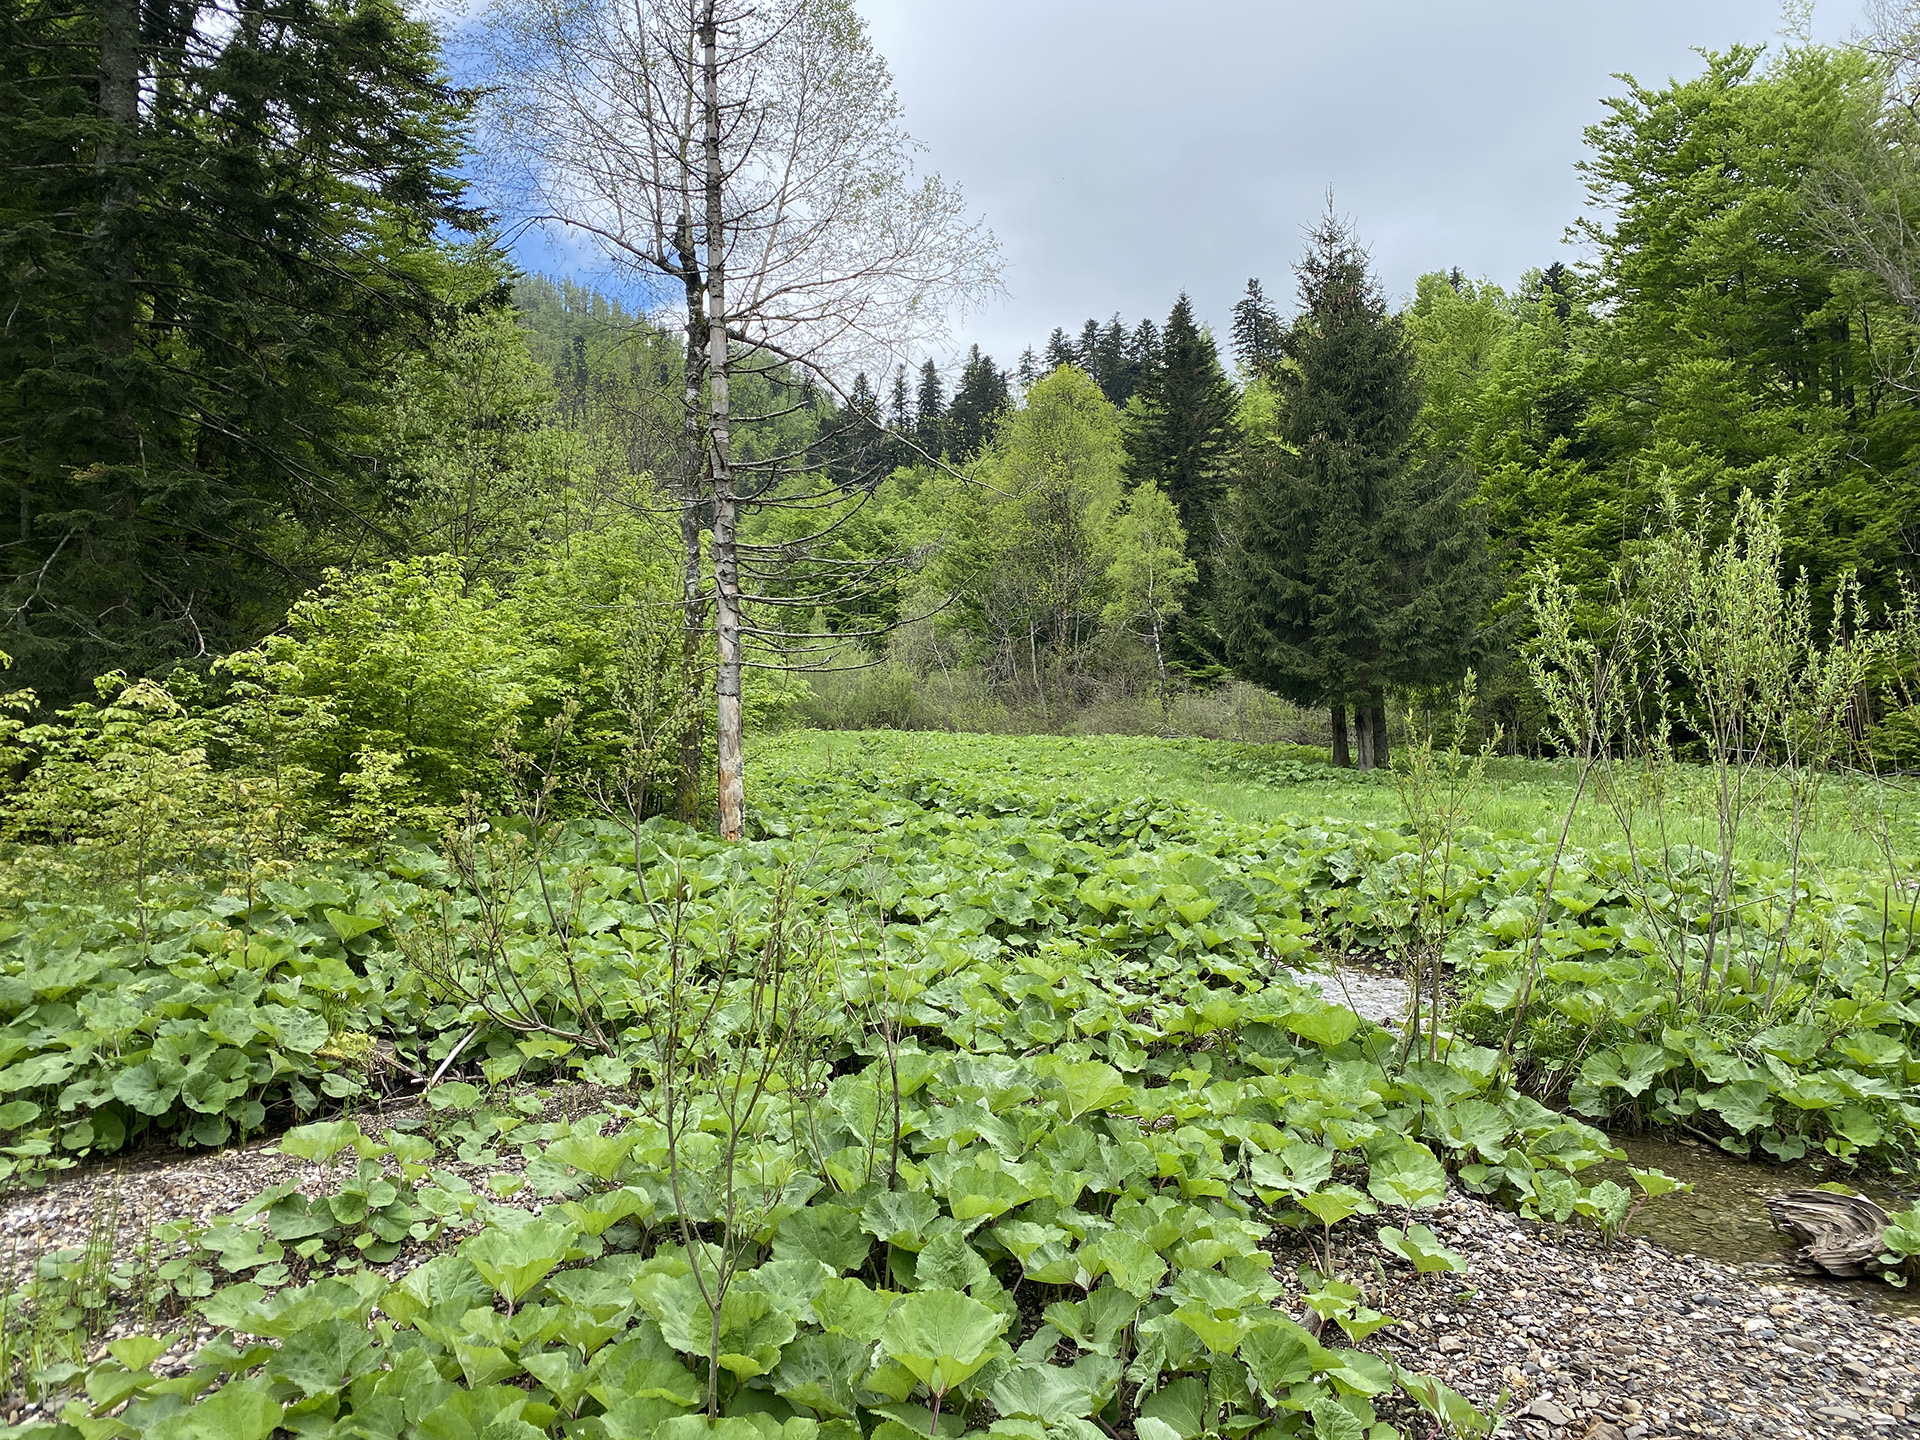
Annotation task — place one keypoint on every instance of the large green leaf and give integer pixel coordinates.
(831, 1234)
(515, 1259)
(821, 1372)
(1322, 1024)
(242, 1410)
(326, 1357)
(850, 1308)
(1044, 1393)
(941, 1336)
(1083, 1086)
(1406, 1174)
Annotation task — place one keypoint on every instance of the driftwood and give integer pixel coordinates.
(1838, 1233)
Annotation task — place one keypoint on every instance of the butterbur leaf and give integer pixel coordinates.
(596, 1214)
(820, 1372)
(1097, 1323)
(753, 1331)
(139, 1087)
(514, 1260)
(1083, 1086)
(831, 1234)
(900, 1218)
(850, 1308)
(326, 1357)
(1279, 1354)
(1135, 1266)
(1406, 1174)
(1421, 1248)
(1041, 1392)
(352, 927)
(1453, 1410)
(1182, 1406)
(444, 1280)
(321, 1142)
(1335, 1203)
(242, 1410)
(1297, 1167)
(468, 1414)
(949, 1262)
(139, 1351)
(941, 1336)
(601, 1156)
(1333, 1421)
(1322, 1024)
(1655, 1183)
(561, 1372)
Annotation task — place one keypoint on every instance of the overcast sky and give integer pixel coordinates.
(1125, 150)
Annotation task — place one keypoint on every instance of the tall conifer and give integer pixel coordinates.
(1181, 434)
(1256, 332)
(930, 411)
(980, 397)
(1059, 352)
(1355, 567)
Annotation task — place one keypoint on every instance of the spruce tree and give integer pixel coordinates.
(1113, 371)
(1059, 351)
(930, 412)
(1256, 332)
(1086, 352)
(217, 238)
(1028, 369)
(1143, 350)
(978, 400)
(900, 420)
(1355, 566)
(1181, 434)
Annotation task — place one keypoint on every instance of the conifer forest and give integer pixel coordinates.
(674, 849)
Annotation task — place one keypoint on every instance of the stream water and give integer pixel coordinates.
(1724, 1218)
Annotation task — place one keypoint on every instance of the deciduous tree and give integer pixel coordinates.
(754, 157)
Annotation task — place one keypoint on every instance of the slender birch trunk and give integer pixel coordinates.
(726, 566)
(686, 800)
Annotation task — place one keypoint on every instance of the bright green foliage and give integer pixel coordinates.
(1420, 1248)
(1718, 339)
(1150, 572)
(1032, 567)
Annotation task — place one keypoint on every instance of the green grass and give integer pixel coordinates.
(1524, 799)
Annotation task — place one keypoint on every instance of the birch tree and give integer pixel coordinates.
(748, 162)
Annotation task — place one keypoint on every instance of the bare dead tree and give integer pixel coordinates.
(751, 159)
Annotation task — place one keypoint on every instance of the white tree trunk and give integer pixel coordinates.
(726, 563)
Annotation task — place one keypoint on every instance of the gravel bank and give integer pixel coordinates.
(1621, 1342)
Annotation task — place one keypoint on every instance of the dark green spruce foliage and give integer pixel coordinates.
(977, 402)
(930, 412)
(1355, 567)
(214, 233)
(1181, 433)
(1256, 332)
